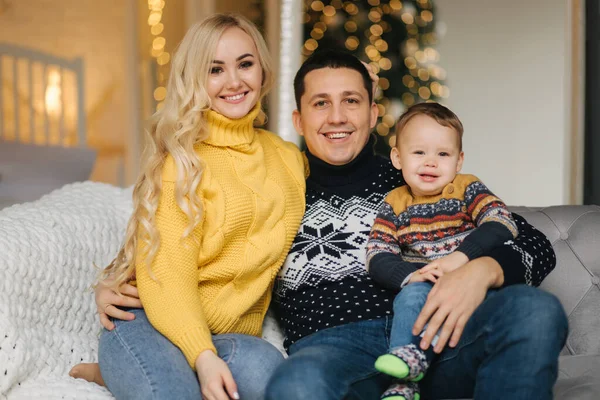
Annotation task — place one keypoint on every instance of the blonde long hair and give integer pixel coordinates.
(174, 130)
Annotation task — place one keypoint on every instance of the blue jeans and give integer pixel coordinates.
(509, 350)
(137, 362)
(407, 306)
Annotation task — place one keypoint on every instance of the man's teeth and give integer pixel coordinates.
(337, 135)
(234, 98)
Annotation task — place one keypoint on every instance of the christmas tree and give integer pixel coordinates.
(396, 37)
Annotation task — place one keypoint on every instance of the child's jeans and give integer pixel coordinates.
(407, 306)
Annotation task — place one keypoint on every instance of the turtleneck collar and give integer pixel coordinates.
(361, 167)
(225, 132)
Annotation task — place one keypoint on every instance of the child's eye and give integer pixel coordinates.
(419, 152)
(216, 70)
(444, 154)
(246, 64)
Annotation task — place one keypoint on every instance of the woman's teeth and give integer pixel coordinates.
(234, 98)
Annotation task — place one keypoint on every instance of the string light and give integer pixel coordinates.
(157, 51)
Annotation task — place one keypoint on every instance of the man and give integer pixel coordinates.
(504, 344)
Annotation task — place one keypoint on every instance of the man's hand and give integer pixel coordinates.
(447, 263)
(216, 381)
(454, 298)
(107, 300)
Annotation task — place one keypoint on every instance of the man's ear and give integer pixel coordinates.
(461, 159)
(374, 113)
(297, 120)
(395, 157)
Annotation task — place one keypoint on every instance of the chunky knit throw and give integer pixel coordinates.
(48, 319)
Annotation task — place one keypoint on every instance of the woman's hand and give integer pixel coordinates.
(107, 300)
(216, 381)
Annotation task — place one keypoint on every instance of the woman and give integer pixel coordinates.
(215, 212)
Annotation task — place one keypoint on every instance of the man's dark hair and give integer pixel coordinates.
(330, 59)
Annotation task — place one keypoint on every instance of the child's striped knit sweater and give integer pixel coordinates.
(411, 231)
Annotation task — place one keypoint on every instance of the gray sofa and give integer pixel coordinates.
(575, 235)
(48, 249)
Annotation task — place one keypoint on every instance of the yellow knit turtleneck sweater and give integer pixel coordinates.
(219, 279)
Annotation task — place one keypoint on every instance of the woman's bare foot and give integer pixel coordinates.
(90, 372)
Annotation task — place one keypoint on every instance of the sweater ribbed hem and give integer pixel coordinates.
(195, 342)
(390, 271)
(508, 260)
(470, 249)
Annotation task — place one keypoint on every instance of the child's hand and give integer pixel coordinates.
(374, 78)
(447, 263)
(431, 275)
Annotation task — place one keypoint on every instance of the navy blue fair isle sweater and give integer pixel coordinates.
(324, 282)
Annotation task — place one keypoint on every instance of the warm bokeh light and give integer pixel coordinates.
(329, 11)
(396, 5)
(350, 26)
(154, 18)
(160, 93)
(317, 5)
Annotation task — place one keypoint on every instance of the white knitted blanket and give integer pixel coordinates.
(48, 319)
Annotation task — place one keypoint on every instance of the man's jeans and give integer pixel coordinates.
(509, 350)
(137, 362)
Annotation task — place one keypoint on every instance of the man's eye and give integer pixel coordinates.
(320, 103)
(352, 101)
(216, 70)
(246, 64)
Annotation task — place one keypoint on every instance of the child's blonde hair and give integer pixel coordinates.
(174, 130)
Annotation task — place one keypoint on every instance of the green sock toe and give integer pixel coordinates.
(417, 396)
(396, 398)
(392, 365)
(418, 378)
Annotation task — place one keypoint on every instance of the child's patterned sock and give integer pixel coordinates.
(402, 391)
(406, 362)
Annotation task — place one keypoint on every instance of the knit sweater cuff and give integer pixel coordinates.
(509, 261)
(195, 342)
(470, 249)
(390, 271)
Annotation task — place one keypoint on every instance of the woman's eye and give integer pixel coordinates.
(216, 70)
(246, 64)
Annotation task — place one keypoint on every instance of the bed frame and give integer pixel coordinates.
(26, 109)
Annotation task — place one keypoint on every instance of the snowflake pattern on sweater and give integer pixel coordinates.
(323, 282)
